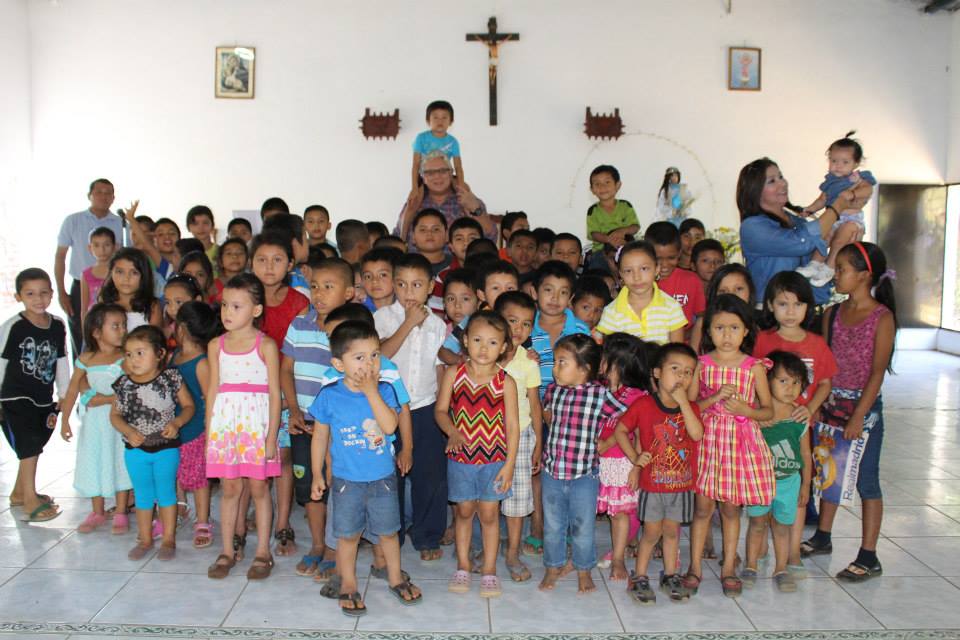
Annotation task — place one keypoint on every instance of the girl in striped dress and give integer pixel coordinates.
(735, 465)
(477, 410)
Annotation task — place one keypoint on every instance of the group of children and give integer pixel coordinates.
(530, 386)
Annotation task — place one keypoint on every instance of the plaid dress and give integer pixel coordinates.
(735, 463)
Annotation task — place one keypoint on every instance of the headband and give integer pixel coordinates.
(866, 258)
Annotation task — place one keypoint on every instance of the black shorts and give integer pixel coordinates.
(303, 469)
(25, 427)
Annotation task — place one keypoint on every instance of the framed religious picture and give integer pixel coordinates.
(234, 72)
(743, 69)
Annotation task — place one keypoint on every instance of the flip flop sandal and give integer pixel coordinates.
(358, 609)
(220, 569)
(863, 575)
(42, 496)
(139, 552)
(310, 564)
(381, 573)
(810, 548)
(536, 544)
(519, 572)
(331, 589)
(35, 515)
(732, 586)
(166, 553)
(92, 522)
(490, 587)
(201, 531)
(459, 582)
(406, 588)
(260, 568)
(749, 577)
(691, 582)
(785, 582)
(285, 537)
(798, 571)
(325, 571)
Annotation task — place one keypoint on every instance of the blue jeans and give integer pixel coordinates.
(868, 477)
(154, 476)
(371, 506)
(569, 506)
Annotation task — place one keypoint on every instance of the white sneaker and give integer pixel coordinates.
(823, 276)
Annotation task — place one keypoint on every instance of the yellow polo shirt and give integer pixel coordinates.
(655, 322)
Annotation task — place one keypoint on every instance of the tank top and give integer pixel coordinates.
(243, 372)
(477, 411)
(853, 348)
(93, 286)
(188, 371)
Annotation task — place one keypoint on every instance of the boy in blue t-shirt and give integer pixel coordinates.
(436, 138)
(354, 417)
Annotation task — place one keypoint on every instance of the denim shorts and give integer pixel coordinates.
(784, 505)
(868, 477)
(466, 482)
(373, 506)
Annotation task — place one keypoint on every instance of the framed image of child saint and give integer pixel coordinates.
(743, 69)
(234, 72)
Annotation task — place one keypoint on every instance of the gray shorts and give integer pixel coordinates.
(654, 507)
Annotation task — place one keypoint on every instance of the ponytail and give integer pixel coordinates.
(866, 256)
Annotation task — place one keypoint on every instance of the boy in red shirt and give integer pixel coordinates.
(666, 427)
(684, 286)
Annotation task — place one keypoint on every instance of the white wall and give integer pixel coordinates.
(14, 134)
(953, 148)
(125, 90)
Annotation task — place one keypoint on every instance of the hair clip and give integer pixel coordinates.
(889, 274)
(616, 257)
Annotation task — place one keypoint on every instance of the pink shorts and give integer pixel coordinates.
(192, 472)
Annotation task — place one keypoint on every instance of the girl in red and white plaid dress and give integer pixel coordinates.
(735, 465)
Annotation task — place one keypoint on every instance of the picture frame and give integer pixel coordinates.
(234, 73)
(743, 69)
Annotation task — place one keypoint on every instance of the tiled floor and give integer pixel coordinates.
(56, 581)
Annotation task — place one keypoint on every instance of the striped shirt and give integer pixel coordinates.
(655, 322)
(577, 414)
(540, 342)
(309, 347)
(477, 413)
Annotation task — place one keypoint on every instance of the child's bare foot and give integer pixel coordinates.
(618, 571)
(429, 555)
(550, 579)
(448, 537)
(585, 582)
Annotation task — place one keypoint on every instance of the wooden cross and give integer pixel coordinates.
(492, 39)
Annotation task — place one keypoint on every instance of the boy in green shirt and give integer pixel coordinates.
(609, 221)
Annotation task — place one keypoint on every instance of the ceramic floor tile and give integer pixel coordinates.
(440, 610)
(817, 604)
(286, 597)
(901, 522)
(952, 512)
(909, 603)
(7, 572)
(934, 492)
(709, 610)
(169, 600)
(955, 582)
(78, 595)
(894, 559)
(559, 610)
(73, 512)
(940, 554)
(21, 546)
(99, 550)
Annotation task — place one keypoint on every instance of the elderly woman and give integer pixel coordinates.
(771, 237)
(439, 191)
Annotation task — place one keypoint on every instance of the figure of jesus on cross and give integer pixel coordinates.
(492, 39)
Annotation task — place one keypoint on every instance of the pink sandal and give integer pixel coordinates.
(121, 524)
(490, 587)
(92, 522)
(459, 582)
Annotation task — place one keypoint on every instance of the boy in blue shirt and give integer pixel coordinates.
(436, 138)
(354, 417)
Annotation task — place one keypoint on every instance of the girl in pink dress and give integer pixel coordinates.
(243, 419)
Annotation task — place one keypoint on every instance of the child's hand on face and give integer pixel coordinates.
(367, 382)
(135, 438)
(170, 430)
(317, 487)
(415, 313)
(679, 394)
(455, 442)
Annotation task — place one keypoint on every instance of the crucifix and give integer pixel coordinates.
(492, 39)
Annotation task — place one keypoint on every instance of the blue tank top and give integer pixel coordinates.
(188, 371)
